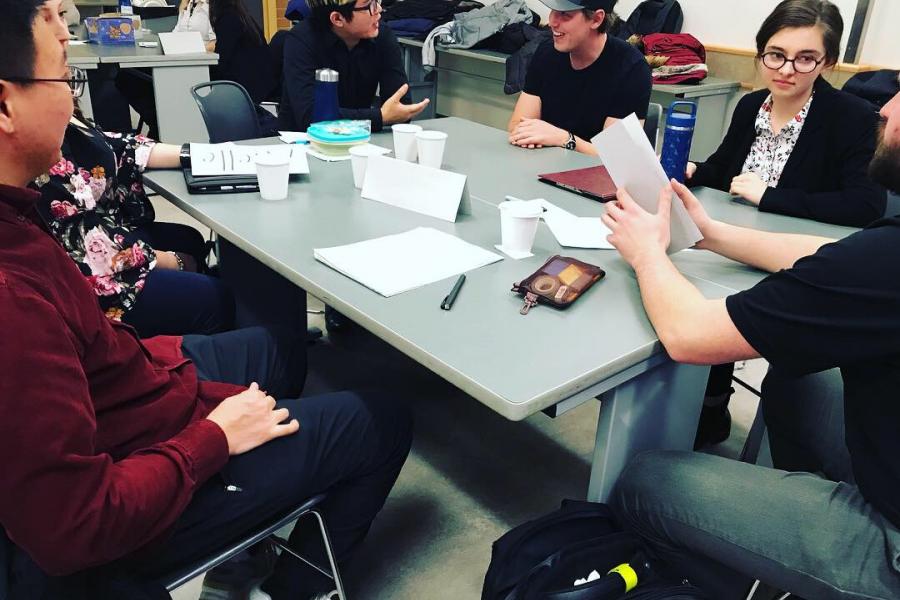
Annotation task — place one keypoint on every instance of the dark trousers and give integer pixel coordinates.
(174, 237)
(350, 445)
(180, 302)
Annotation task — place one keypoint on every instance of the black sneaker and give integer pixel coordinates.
(714, 427)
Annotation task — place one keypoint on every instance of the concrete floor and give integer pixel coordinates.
(471, 475)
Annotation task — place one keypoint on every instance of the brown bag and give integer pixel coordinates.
(559, 282)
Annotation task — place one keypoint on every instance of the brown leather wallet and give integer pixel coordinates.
(559, 282)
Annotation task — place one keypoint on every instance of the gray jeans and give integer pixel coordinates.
(808, 530)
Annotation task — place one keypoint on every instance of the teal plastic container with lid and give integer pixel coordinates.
(337, 137)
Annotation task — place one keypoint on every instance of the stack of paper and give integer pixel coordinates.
(398, 263)
(233, 159)
(632, 163)
(575, 232)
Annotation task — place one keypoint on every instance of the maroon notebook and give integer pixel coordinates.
(593, 182)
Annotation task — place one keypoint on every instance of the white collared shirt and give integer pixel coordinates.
(195, 17)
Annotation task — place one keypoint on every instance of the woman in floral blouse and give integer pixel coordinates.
(798, 147)
(94, 203)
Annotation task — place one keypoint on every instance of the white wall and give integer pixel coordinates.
(735, 22)
(881, 45)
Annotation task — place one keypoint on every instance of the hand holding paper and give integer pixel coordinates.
(640, 237)
(628, 156)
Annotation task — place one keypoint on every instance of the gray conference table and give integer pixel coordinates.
(602, 347)
(173, 75)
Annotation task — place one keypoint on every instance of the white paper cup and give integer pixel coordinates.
(273, 172)
(359, 160)
(405, 141)
(430, 145)
(518, 224)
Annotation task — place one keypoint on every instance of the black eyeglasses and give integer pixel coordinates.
(372, 7)
(76, 80)
(802, 64)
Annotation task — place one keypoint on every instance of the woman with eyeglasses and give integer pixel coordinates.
(799, 147)
(145, 273)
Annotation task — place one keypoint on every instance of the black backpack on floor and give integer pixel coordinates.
(541, 559)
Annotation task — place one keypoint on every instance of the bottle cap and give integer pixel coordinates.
(328, 75)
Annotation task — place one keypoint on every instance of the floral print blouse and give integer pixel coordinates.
(92, 201)
(770, 150)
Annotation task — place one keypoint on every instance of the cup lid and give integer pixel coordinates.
(523, 209)
(329, 75)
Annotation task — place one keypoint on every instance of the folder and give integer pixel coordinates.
(592, 182)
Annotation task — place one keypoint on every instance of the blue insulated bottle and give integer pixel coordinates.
(677, 139)
(325, 98)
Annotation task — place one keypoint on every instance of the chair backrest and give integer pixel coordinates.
(227, 110)
(892, 208)
(651, 123)
(155, 11)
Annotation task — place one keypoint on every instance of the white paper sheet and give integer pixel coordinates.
(340, 157)
(234, 159)
(398, 263)
(293, 137)
(575, 232)
(182, 42)
(433, 192)
(632, 163)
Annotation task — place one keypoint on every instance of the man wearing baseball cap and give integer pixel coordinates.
(579, 82)
(345, 35)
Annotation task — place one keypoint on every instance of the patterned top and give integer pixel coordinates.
(770, 150)
(92, 200)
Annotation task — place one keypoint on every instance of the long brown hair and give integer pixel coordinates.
(252, 31)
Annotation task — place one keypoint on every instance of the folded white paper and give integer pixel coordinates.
(632, 163)
(182, 42)
(575, 232)
(233, 159)
(425, 190)
(337, 157)
(398, 263)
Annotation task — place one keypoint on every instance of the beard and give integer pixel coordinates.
(885, 166)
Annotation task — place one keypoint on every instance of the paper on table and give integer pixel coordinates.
(182, 42)
(425, 190)
(233, 159)
(293, 137)
(628, 156)
(398, 263)
(575, 232)
(339, 157)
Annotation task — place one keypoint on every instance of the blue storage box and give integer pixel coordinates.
(110, 30)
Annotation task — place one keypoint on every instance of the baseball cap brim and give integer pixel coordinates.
(561, 5)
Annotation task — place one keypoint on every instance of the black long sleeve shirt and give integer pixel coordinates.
(372, 65)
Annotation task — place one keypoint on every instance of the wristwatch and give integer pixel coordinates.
(185, 156)
(570, 145)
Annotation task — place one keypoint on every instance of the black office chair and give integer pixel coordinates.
(308, 508)
(155, 12)
(651, 123)
(227, 110)
(892, 207)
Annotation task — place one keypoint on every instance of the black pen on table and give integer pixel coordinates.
(447, 304)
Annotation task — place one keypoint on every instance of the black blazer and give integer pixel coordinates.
(825, 177)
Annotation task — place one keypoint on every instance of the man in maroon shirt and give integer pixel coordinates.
(118, 455)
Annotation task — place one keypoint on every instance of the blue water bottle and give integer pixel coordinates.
(677, 139)
(125, 7)
(325, 98)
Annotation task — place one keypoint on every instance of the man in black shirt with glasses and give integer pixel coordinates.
(345, 35)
